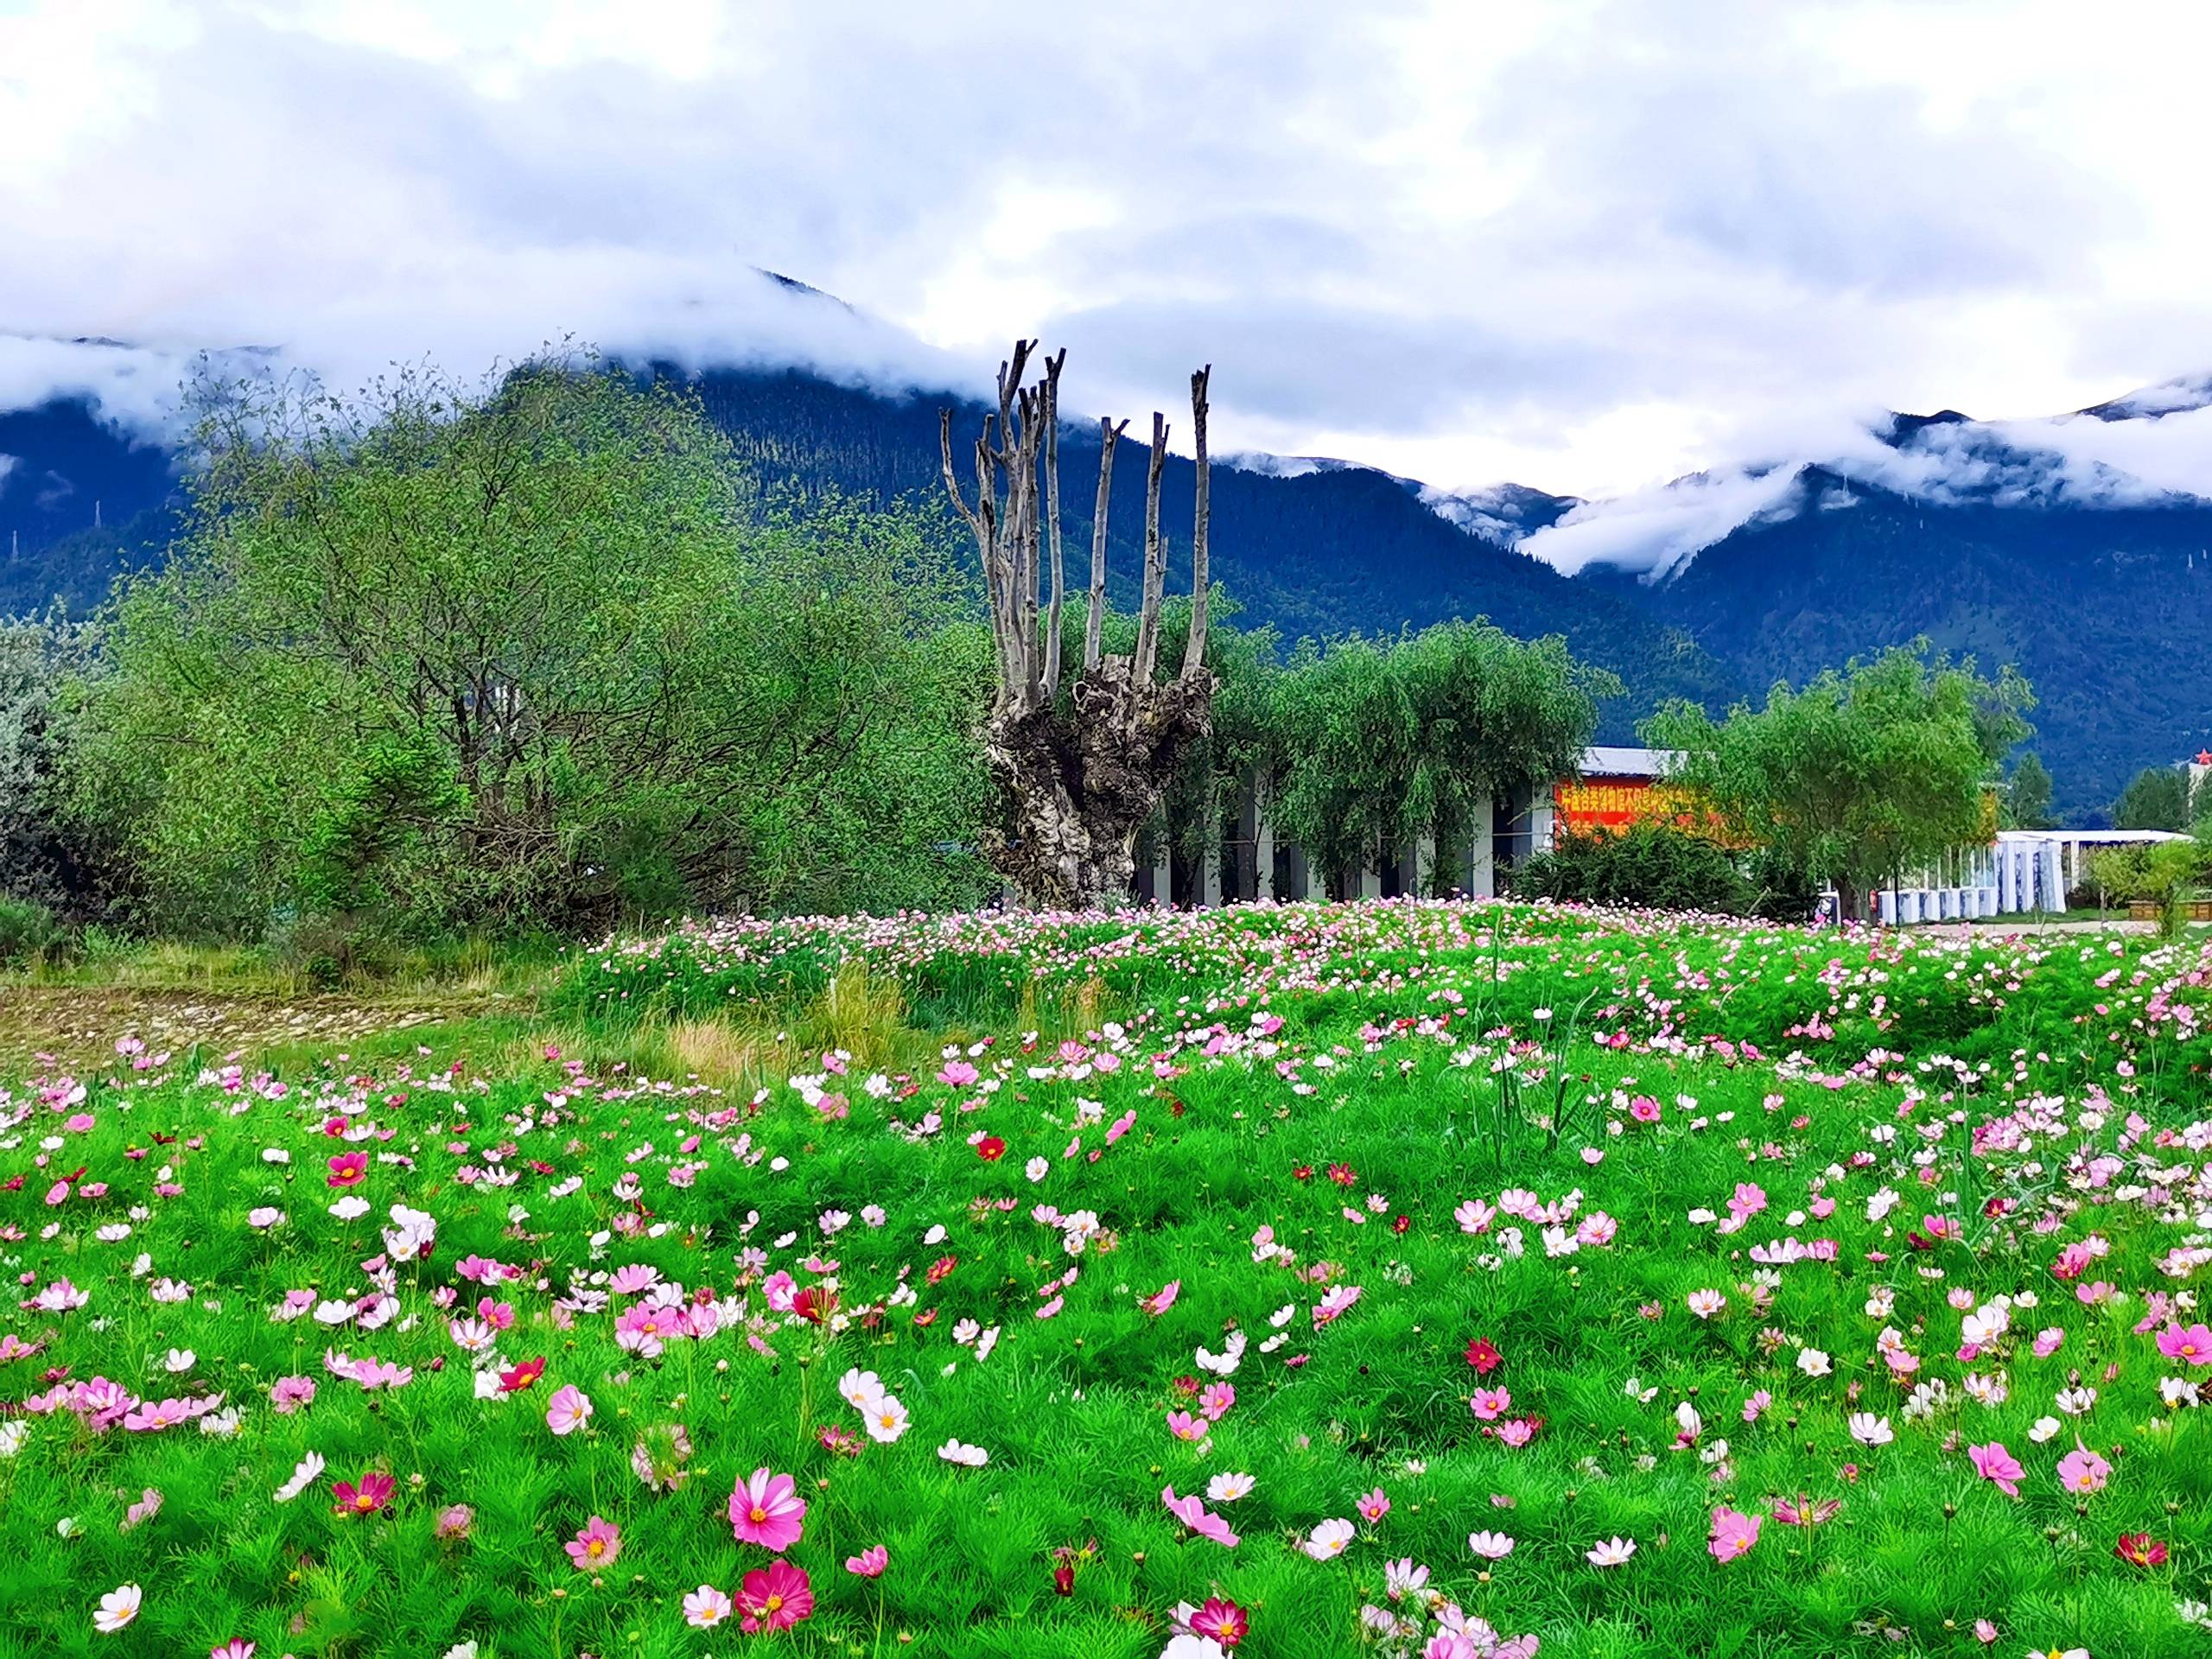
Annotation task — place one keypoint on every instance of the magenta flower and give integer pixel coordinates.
(373, 1491)
(1994, 1463)
(776, 1597)
(596, 1546)
(2192, 1346)
(870, 1563)
(1373, 1507)
(767, 1510)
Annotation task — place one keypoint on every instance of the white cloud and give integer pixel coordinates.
(1588, 246)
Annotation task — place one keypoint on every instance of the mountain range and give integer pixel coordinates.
(2072, 547)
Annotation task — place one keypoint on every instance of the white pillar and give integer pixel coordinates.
(1371, 876)
(2004, 877)
(1481, 868)
(1163, 873)
(1263, 850)
(1425, 871)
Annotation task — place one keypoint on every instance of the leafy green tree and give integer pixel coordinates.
(1379, 742)
(534, 655)
(2027, 796)
(1862, 774)
(44, 862)
(2157, 798)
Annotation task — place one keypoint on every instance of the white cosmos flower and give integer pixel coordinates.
(310, 1468)
(968, 1457)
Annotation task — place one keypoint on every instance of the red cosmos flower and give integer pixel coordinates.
(941, 1266)
(348, 1168)
(1064, 1581)
(376, 1488)
(926, 1318)
(814, 1304)
(522, 1376)
(1225, 1621)
(1303, 1173)
(990, 1148)
(1402, 1223)
(1483, 1357)
(1344, 1174)
(2141, 1548)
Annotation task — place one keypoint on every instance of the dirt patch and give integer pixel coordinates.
(79, 1026)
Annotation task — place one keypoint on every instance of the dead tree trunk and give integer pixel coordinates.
(1078, 766)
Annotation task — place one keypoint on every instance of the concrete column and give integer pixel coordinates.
(1425, 871)
(1263, 843)
(1163, 874)
(1371, 876)
(1210, 867)
(1541, 816)
(1481, 868)
(2004, 877)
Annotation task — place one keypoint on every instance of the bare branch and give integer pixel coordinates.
(1093, 628)
(1155, 558)
(1194, 652)
(1051, 415)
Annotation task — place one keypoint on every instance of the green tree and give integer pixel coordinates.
(536, 655)
(1379, 742)
(2027, 796)
(2157, 798)
(1864, 774)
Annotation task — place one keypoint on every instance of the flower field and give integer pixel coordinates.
(1460, 1280)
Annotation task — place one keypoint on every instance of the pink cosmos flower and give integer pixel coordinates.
(1193, 1513)
(1215, 1402)
(1372, 1507)
(1490, 1404)
(348, 1168)
(2083, 1470)
(870, 1563)
(1994, 1463)
(569, 1410)
(597, 1545)
(767, 1510)
(455, 1521)
(1733, 1534)
(1184, 1426)
(237, 1648)
(2192, 1346)
(1163, 1299)
(776, 1597)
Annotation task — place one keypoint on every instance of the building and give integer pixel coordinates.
(1615, 786)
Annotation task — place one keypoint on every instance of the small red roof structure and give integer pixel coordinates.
(2204, 757)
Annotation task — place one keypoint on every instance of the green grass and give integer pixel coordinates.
(2029, 1096)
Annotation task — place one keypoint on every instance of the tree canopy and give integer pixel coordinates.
(531, 654)
(1864, 774)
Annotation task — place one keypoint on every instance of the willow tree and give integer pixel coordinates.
(1080, 761)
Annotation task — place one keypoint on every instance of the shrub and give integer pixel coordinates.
(25, 928)
(1652, 865)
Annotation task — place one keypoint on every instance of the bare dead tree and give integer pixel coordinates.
(1078, 769)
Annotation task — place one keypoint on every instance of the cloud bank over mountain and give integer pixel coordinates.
(1591, 245)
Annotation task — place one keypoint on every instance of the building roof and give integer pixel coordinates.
(2092, 837)
(1607, 761)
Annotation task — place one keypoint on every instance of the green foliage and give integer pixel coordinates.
(536, 656)
(2157, 798)
(1375, 741)
(41, 860)
(26, 927)
(1860, 775)
(1654, 865)
(2027, 796)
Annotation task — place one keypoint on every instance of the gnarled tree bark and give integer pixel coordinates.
(1078, 766)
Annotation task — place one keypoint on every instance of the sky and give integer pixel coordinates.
(1584, 246)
